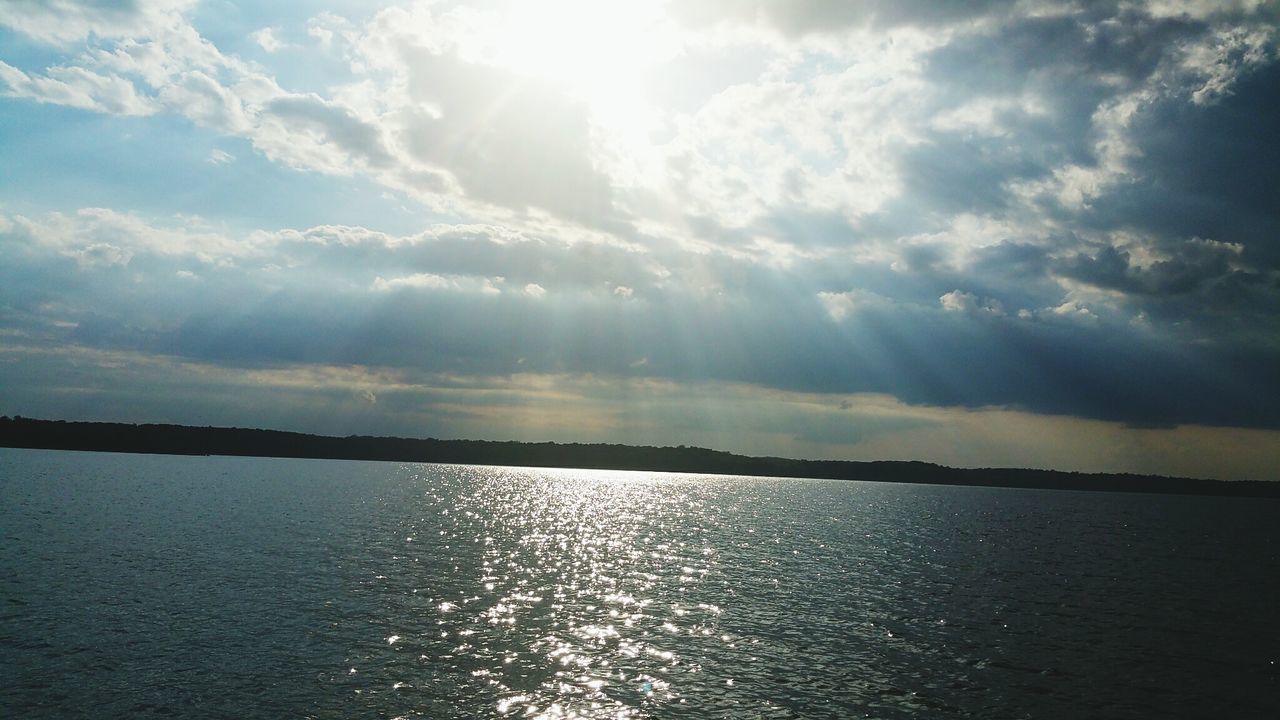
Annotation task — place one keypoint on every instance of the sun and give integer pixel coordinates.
(594, 50)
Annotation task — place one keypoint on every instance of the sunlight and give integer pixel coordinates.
(589, 48)
(596, 52)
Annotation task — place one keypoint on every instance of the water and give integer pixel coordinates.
(151, 586)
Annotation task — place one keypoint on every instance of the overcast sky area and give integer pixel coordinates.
(981, 234)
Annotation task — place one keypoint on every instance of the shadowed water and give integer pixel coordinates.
(144, 586)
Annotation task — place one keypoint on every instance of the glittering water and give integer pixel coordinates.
(137, 586)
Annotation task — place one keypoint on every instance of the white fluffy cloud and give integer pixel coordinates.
(964, 302)
(850, 129)
(64, 21)
(130, 234)
(77, 87)
(428, 281)
(267, 40)
(220, 157)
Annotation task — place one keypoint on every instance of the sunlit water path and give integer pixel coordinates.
(142, 586)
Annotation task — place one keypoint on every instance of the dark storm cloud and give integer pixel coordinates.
(1201, 289)
(1198, 266)
(800, 17)
(758, 325)
(1195, 192)
(921, 355)
(954, 173)
(1026, 93)
(1061, 70)
(1060, 55)
(1207, 170)
(1058, 364)
(1027, 262)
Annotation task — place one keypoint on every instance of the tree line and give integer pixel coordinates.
(187, 440)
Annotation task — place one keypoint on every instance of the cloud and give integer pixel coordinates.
(840, 305)
(428, 281)
(79, 88)
(220, 157)
(1197, 264)
(64, 21)
(327, 28)
(328, 126)
(506, 138)
(964, 302)
(446, 130)
(1062, 210)
(101, 255)
(267, 40)
(63, 233)
(1203, 170)
(801, 17)
(286, 298)
(1072, 310)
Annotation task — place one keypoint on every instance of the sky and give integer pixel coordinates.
(1033, 234)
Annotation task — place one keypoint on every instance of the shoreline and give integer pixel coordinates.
(20, 432)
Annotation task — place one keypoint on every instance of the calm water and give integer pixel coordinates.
(143, 586)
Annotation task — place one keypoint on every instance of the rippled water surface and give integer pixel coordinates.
(143, 586)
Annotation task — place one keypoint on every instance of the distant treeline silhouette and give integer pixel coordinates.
(186, 440)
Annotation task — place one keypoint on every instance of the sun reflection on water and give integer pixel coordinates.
(581, 587)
